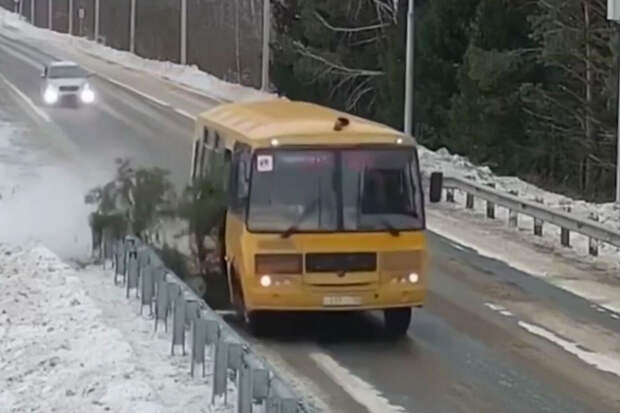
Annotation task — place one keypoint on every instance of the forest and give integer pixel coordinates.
(526, 87)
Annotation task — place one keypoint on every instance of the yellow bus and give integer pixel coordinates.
(325, 210)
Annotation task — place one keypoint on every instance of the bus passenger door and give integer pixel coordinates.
(238, 194)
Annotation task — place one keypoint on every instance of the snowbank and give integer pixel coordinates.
(188, 76)
(70, 341)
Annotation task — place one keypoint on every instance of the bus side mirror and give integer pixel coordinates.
(436, 187)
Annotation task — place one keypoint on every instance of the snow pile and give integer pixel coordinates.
(188, 76)
(69, 341)
(461, 167)
(55, 353)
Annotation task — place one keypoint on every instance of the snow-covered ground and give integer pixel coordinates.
(70, 341)
(29, 174)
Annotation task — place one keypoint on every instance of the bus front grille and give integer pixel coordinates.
(341, 262)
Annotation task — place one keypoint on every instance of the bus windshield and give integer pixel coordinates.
(359, 190)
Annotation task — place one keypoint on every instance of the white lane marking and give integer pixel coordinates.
(602, 362)
(38, 111)
(494, 307)
(22, 57)
(500, 309)
(184, 113)
(136, 91)
(361, 391)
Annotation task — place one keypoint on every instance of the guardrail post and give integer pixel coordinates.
(593, 243)
(565, 237)
(199, 342)
(450, 195)
(469, 201)
(538, 223)
(120, 261)
(132, 267)
(491, 205)
(220, 370)
(513, 216)
(162, 304)
(148, 288)
(178, 324)
(244, 390)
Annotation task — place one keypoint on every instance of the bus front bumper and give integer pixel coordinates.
(308, 298)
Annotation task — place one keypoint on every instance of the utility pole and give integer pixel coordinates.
(618, 133)
(71, 17)
(32, 2)
(266, 42)
(50, 15)
(96, 20)
(613, 13)
(183, 32)
(409, 68)
(132, 28)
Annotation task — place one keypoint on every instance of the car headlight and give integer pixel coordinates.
(50, 96)
(87, 95)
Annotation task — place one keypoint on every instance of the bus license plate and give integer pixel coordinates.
(341, 301)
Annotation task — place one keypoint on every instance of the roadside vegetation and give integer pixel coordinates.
(142, 202)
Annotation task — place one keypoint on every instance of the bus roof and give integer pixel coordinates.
(295, 123)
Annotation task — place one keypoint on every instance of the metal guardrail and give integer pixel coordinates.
(137, 267)
(541, 214)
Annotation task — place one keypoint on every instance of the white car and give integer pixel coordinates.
(66, 82)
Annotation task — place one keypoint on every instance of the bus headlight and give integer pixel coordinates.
(50, 96)
(265, 281)
(413, 278)
(87, 95)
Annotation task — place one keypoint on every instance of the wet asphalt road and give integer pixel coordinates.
(458, 356)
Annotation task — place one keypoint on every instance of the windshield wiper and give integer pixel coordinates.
(391, 229)
(309, 209)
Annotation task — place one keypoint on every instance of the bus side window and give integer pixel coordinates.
(240, 182)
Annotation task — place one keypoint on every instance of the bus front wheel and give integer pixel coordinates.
(397, 321)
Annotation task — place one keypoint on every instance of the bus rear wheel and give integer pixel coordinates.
(397, 321)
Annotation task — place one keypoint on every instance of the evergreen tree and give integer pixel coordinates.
(486, 116)
(572, 113)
